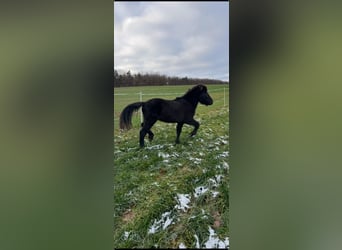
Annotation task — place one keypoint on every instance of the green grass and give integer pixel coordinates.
(147, 181)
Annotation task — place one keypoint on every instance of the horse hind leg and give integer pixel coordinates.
(150, 134)
(146, 129)
(143, 133)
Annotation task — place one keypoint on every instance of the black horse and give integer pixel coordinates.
(180, 110)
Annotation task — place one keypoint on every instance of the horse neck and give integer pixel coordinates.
(192, 100)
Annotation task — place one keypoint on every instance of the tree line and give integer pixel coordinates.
(148, 79)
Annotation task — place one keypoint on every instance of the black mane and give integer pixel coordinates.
(196, 90)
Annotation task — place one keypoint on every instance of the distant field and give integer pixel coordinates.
(167, 195)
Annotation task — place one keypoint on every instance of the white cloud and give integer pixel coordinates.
(173, 38)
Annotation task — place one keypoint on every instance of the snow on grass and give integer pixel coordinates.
(215, 193)
(155, 147)
(216, 181)
(183, 200)
(174, 154)
(224, 141)
(195, 160)
(126, 235)
(224, 154)
(197, 241)
(173, 169)
(163, 223)
(225, 165)
(215, 242)
(155, 184)
(161, 154)
(182, 246)
(219, 178)
(200, 190)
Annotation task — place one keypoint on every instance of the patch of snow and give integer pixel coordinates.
(175, 155)
(225, 165)
(155, 147)
(126, 235)
(224, 141)
(167, 223)
(155, 183)
(226, 241)
(195, 160)
(182, 246)
(201, 154)
(197, 241)
(214, 193)
(204, 170)
(161, 154)
(164, 222)
(216, 181)
(223, 154)
(214, 241)
(200, 190)
(204, 215)
(153, 229)
(183, 200)
(218, 178)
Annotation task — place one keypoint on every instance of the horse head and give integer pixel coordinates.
(203, 96)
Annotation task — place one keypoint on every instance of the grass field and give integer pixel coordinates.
(168, 195)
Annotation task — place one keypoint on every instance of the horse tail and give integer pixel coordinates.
(126, 115)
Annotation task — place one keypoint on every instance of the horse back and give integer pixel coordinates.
(176, 110)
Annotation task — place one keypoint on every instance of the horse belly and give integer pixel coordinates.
(171, 118)
(174, 112)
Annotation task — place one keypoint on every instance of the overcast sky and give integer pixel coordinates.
(173, 38)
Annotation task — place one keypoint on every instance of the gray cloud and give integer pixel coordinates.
(172, 38)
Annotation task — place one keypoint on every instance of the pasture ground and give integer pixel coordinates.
(168, 195)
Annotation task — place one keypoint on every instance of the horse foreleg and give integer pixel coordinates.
(196, 126)
(179, 130)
